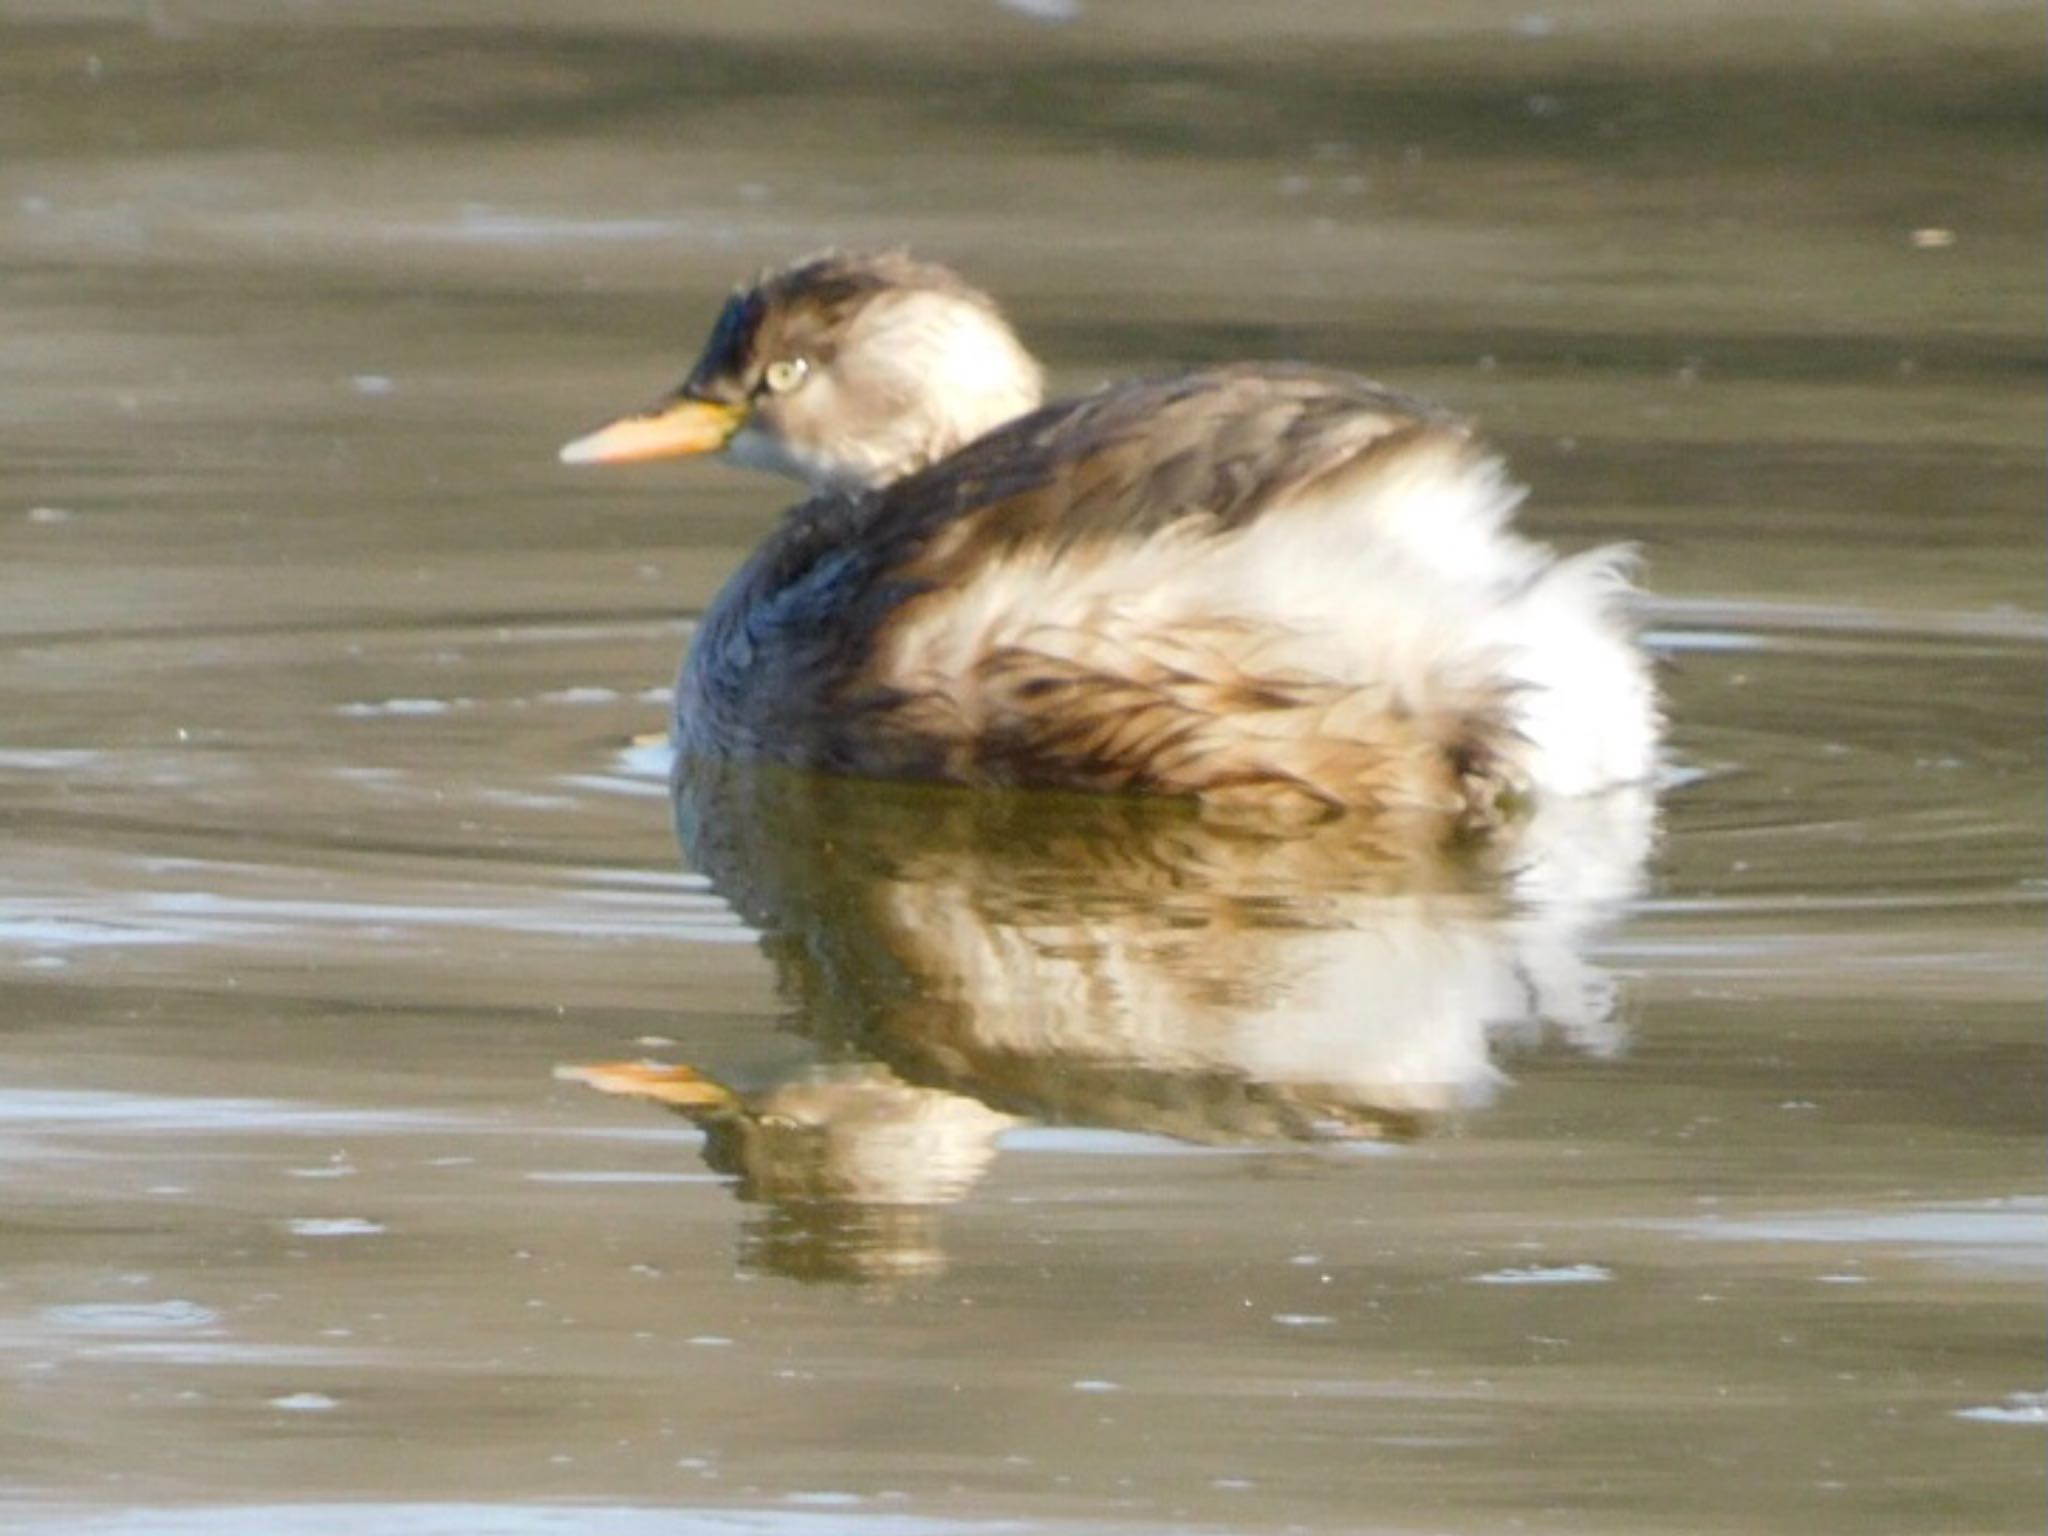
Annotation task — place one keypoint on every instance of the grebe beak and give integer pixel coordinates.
(675, 427)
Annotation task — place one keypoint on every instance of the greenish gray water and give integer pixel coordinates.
(1048, 1167)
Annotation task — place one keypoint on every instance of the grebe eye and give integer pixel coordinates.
(784, 374)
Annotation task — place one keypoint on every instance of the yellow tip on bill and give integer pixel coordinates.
(681, 427)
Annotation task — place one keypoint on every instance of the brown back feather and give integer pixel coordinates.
(1200, 711)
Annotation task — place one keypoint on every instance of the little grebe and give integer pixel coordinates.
(1268, 585)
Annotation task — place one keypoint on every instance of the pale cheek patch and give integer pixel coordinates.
(958, 370)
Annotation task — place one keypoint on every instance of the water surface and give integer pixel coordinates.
(1003, 1167)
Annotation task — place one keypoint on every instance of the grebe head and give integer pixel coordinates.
(841, 370)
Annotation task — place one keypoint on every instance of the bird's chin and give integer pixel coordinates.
(754, 448)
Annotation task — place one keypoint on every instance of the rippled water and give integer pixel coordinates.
(976, 1164)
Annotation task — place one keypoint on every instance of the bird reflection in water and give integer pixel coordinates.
(964, 962)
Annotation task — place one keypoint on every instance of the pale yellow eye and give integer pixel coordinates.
(784, 374)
